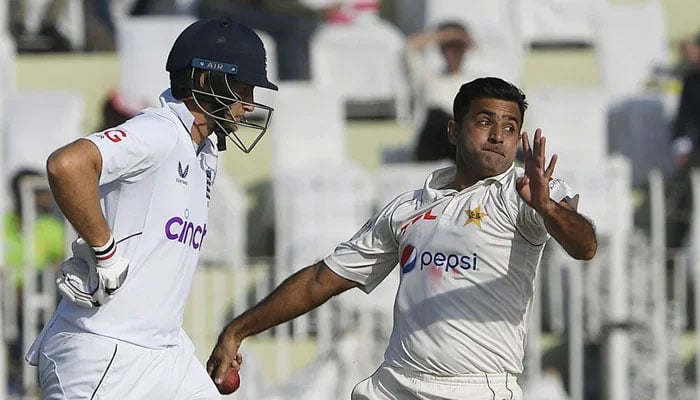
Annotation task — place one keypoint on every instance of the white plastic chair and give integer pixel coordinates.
(317, 207)
(8, 86)
(574, 121)
(308, 149)
(560, 21)
(363, 62)
(495, 26)
(307, 127)
(390, 180)
(631, 42)
(225, 244)
(143, 45)
(41, 122)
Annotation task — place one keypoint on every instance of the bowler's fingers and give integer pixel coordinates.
(526, 144)
(221, 372)
(550, 168)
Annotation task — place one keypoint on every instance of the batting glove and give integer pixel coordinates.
(77, 279)
(111, 268)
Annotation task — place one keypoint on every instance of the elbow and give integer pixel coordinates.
(586, 253)
(65, 162)
(56, 165)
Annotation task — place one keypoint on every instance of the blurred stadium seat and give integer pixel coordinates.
(574, 121)
(308, 126)
(560, 22)
(390, 180)
(143, 44)
(42, 121)
(631, 43)
(362, 62)
(225, 245)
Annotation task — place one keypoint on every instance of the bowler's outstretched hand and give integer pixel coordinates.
(533, 187)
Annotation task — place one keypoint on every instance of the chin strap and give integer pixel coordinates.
(220, 141)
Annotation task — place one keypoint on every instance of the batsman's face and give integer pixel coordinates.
(487, 138)
(236, 111)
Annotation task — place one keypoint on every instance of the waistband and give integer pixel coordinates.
(466, 379)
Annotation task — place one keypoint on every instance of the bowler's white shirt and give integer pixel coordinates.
(467, 261)
(155, 189)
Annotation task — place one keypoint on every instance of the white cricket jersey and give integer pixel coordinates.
(467, 261)
(155, 188)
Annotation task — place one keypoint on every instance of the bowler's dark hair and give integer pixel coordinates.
(492, 88)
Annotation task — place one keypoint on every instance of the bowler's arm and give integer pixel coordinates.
(297, 295)
(573, 231)
(73, 172)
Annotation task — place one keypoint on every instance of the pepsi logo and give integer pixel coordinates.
(409, 258)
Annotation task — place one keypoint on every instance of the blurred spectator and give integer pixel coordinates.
(115, 111)
(290, 23)
(48, 229)
(49, 235)
(685, 145)
(44, 38)
(434, 90)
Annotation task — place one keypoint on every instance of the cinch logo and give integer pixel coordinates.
(186, 232)
(410, 258)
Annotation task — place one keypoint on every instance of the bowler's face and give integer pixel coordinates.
(488, 136)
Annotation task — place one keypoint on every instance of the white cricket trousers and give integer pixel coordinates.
(78, 365)
(390, 383)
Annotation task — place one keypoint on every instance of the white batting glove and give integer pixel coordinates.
(77, 279)
(112, 269)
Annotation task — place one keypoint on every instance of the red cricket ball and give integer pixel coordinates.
(230, 383)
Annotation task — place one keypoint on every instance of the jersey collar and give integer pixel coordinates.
(444, 176)
(179, 108)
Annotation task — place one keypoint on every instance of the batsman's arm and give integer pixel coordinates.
(299, 294)
(73, 172)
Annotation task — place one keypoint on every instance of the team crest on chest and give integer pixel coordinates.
(475, 216)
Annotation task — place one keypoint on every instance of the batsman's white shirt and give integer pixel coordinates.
(155, 187)
(467, 261)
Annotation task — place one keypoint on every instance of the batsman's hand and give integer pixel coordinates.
(113, 274)
(74, 283)
(77, 279)
(225, 355)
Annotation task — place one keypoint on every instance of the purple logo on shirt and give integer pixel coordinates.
(186, 232)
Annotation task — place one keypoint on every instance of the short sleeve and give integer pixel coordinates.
(530, 222)
(370, 255)
(131, 149)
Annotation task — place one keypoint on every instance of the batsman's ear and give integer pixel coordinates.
(203, 79)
